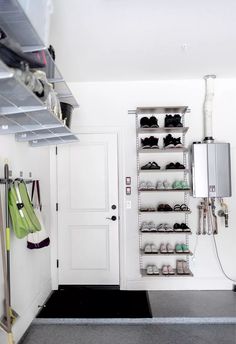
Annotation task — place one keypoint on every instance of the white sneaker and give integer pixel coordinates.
(147, 248)
(163, 248)
(160, 186)
(150, 186)
(152, 226)
(154, 248)
(165, 270)
(149, 270)
(170, 270)
(161, 228)
(144, 227)
(168, 227)
(169, 248)
(166, 184)
(143, 185)
(155, 270)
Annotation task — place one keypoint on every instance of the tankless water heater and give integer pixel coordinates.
(211, 170)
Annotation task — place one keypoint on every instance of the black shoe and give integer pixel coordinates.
(177, 226)
(167, 207)
(153, 122)
(147, 166)
(153, 142)
(169, 141)
(146, 143)
(169, 121)
(177, 121)
(179, 166)
(170, 166)
(184, 226)
(154, 166)
(144, 122)
(177, 142)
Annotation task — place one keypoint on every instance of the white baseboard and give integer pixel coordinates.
(24, 321)
(186, 283)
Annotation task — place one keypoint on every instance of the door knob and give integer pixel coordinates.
(113, 218)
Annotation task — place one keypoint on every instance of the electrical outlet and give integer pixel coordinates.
(128, 205)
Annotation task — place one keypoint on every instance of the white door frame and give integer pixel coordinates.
(120, 132)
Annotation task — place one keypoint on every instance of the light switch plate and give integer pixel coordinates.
(128, 180)
(128, 190)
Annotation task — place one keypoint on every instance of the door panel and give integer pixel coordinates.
(94, 255)
(88, 241)
(92, 159)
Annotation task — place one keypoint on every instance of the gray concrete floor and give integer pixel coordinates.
(135, 334)
(179, 317)
(193, 303)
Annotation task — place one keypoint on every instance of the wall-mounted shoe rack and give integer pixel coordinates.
(21, 112)
(148, 208)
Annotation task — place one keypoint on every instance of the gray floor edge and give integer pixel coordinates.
(127, 321)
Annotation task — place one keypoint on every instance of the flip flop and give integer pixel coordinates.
(177, 207)
(184, 207)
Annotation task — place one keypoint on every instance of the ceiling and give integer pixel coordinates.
(126, 40)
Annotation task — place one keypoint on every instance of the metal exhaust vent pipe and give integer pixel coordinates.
(208, 108)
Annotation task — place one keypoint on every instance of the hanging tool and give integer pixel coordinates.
(204, 232)
(5, 323)
(199, 231)
(13, 314)
(208, 207)
(10, 315)
(224, 212)
(213, 210)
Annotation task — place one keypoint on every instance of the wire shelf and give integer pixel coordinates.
(159, 254)
(170, 232)
(144, 274)
(54, 141)
(162, 150)
(162, 110)
(165, 190)
(153, 170)
(163, 130)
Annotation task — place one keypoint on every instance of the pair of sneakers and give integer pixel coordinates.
(182, 268)
(152, 270)
(151, 122)
(150, 248)
(175, 166)
(181, 248)
(163, 185)
(166, 248)
(167, 270)
(180, 184)
(148, 227)
(150, 142)
(146, 185)
(151, 166)
(172, 142)
(164, 227)
(181, 227)
(173, 121)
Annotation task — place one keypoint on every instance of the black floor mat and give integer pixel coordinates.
(96, 303)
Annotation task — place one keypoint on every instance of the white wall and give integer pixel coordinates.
(105, 106)
(30, 277)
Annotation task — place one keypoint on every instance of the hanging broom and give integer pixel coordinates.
(6, 323)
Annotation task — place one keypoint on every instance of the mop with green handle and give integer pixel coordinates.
(6, 323)
(13, 314)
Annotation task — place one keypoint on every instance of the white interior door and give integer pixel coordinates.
(88, 241)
